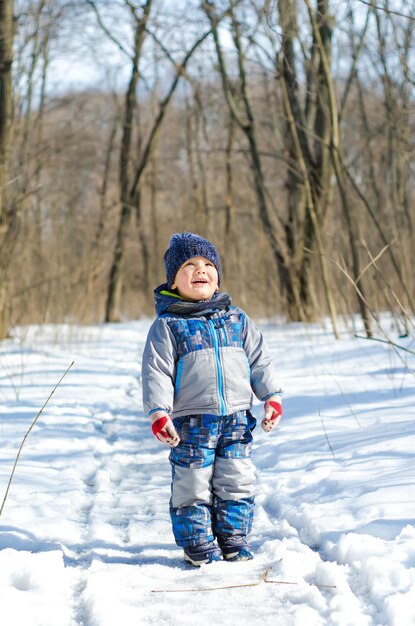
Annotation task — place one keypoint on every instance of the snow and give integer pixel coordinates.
(85, 535)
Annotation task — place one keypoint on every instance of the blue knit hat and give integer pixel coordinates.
(185, 246)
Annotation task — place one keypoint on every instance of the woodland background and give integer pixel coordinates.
(281, 130)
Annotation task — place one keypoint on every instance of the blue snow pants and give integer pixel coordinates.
(213, 477)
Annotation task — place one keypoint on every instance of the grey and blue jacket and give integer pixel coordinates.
(204, 357)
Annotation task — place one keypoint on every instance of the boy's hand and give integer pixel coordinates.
(163, 428)
(273, 413)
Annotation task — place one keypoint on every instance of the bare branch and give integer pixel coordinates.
(162, 110)
(263, 579)
(387, 10)
(107, 31)
(387, 341)
(28, 433)
(374, 259)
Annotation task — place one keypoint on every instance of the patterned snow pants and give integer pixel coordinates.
(213, 478)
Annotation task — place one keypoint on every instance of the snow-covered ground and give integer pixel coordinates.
(85, 534)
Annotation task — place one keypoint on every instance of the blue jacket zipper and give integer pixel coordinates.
(218, 367)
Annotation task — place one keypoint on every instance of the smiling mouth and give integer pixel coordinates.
(200, 282)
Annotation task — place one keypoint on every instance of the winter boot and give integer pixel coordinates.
(201, 554)
(235, 548)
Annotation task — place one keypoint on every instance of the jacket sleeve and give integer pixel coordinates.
(159, 368)
(264, 379)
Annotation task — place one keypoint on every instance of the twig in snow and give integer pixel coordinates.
(387, 341)
(258, 582)
(263, 579)
(203, 588)
(326, 435)
(28, 433)
(285, 582)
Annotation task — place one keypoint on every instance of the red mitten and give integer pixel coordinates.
(273, 413)
(163, 428)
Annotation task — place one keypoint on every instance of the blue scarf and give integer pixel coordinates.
(167, 302)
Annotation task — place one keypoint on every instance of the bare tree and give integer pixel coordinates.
(128, 200)
(300, 165)
(130, 180)
(241, 110)
(309, 179)
(8, 213)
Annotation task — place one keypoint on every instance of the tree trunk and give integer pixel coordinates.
(112, 308)
(245, 120)
(130, 184)
(335, 156)
(8, 217)
(309, 180)
(6, 52)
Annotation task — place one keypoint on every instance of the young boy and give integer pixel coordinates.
(202, 361)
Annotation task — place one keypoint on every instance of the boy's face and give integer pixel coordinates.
(196, 279)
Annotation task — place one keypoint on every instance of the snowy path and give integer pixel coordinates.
(85, 535)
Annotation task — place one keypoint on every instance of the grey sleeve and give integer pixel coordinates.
(159, 368)
(264, 379)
